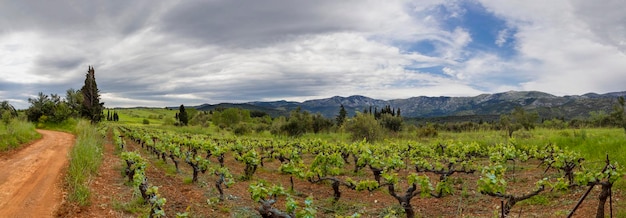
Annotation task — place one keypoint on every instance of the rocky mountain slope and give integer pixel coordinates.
(547, 105)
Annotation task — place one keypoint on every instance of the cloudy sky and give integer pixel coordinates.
(158, 53)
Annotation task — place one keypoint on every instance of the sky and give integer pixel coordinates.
(167, 53)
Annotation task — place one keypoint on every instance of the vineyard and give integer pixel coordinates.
(248, 176)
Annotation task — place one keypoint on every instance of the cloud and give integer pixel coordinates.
(502, 37)
(606, 23)
(560, 51)
(192, 52)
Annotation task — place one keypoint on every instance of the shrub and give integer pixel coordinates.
(427, 131)
(241, 129)
(364, 126)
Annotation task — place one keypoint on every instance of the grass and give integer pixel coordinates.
(536, 200)
(85, 159)
(68, 125)
(16, 133)
(155, 116)
(137, 205)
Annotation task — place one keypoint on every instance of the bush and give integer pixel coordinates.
(391, 122)
(146, 121)
(427, 131)
(364, 126)
(242, 129)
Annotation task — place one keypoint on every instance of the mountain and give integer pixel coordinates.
(485, 105)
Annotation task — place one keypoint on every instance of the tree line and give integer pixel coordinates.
(76, 103)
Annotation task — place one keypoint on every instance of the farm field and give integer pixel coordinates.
(517, 167)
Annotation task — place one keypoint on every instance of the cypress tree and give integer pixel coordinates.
(342, 115)
(182, 115)
(115, 116)
(92, 108)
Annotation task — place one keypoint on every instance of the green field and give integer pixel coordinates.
(155, 116)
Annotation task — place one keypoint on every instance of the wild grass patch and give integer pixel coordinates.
(85, 159)
(15, 133)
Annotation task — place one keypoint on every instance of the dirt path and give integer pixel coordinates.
(31, 180)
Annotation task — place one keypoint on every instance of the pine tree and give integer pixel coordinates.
(182, 115)
(92, 108)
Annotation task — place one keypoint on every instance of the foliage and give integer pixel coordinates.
(364, 126)
(183, 117)
(341, 117)
(46, 108)
(7, 111)
(391, 122)
(15, 132)
(92, 107)
(427, 131)
(230, 117)
(618, 116)
(85, 159)
(525, 119)
(259, 192)
(299, 122)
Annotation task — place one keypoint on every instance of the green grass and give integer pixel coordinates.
(85, 159)
(155, 116)
(137, 205)
(68, 125)
(536, 200)
(16, 133)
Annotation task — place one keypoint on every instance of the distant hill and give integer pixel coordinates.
(485, 105)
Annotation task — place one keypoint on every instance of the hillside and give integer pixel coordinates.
(547, 105)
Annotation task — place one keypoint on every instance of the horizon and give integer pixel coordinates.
(299, 102)
(194, 52)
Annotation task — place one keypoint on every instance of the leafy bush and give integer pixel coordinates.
(242, 129)
(390, 122)
(364, 126)
(427, 131)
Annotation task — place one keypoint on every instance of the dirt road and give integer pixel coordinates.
(31, 180)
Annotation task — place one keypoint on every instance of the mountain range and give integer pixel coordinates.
(485, 105)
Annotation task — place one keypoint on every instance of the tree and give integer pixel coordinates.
(7, 112)
(342, 115)
(320, 123)
(527, 120)
(5, 107)
(299, 122)
(115, 116)
(507, 124)
(182, 116)
(40, 106)
(74, 100)
(92, 107)
(391, 122)
(617, 116)
(230, 117)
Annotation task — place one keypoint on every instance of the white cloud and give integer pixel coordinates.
(193, 52)
(502, 37)
(559, 51)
